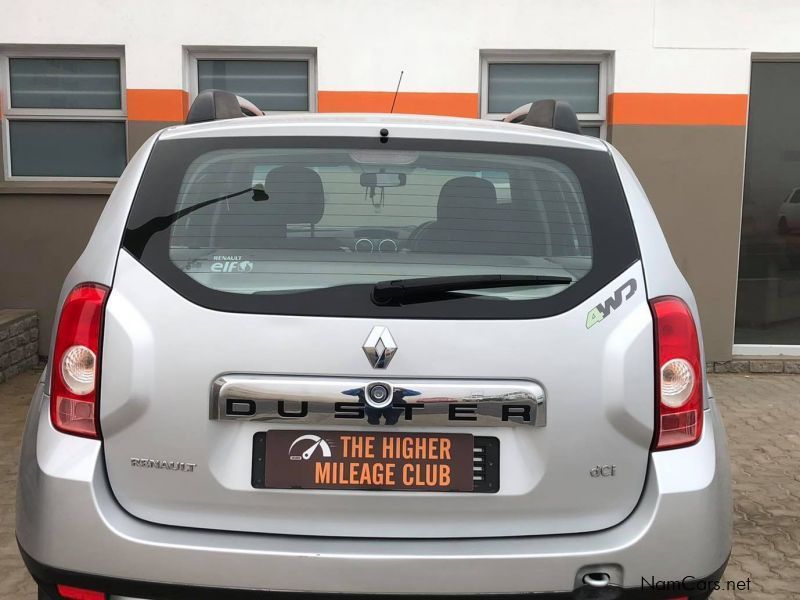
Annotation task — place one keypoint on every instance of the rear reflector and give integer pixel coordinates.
(679, 375)
(75, 375)
(74, 593)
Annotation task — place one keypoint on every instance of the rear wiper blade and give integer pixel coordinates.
(429, 289)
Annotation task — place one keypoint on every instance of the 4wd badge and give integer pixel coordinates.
(602, 310)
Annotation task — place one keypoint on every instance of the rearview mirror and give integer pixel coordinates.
(383, 180)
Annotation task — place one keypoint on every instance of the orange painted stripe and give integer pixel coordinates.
(623, 108)
(157, 105)
(417, 103)
(677, 109)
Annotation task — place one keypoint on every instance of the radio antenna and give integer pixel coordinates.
(397, 90)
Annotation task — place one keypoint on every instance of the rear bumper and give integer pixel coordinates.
(120, 589)
(69, 526)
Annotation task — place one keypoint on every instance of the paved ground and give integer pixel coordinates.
(15, 395)
(761, 412)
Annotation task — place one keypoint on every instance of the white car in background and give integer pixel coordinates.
(789, 213)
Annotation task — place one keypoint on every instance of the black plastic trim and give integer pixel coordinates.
(490, 483)
(48, 577)
(259, 471)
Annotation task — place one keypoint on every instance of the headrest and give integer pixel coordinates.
(466, 197)
(295, 194)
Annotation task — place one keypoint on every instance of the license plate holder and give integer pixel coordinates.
(372, 460)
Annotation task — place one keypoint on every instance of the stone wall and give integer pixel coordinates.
(779, 364)
(19, 341)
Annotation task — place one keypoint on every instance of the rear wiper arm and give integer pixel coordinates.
(136, 239)
(428, 289)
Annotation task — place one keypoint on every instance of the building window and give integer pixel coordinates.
(768, 293)
(64, 116)
(275, 82)
(509, 81)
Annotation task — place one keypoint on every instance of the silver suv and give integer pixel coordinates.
(375, 354)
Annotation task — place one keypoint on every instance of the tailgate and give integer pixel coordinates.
(175, 457)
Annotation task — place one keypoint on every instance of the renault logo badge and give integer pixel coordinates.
(379, 347)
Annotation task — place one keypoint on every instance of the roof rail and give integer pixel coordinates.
(214, 105)
(551, 114)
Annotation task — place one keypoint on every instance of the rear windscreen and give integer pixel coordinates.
(310, 225)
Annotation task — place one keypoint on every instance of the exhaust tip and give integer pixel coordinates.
(597, 580)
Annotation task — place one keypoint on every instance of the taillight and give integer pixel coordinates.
(75, 367)
(679, 375)
(74, 593)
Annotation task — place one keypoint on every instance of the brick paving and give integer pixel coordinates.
(762, 416)
(15, 396)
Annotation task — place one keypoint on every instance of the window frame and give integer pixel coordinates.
(9, 113)
(309, 55)
(601, 59)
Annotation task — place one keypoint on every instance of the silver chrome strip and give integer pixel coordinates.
(343, 401)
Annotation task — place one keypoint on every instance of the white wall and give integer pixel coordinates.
(698, 46)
